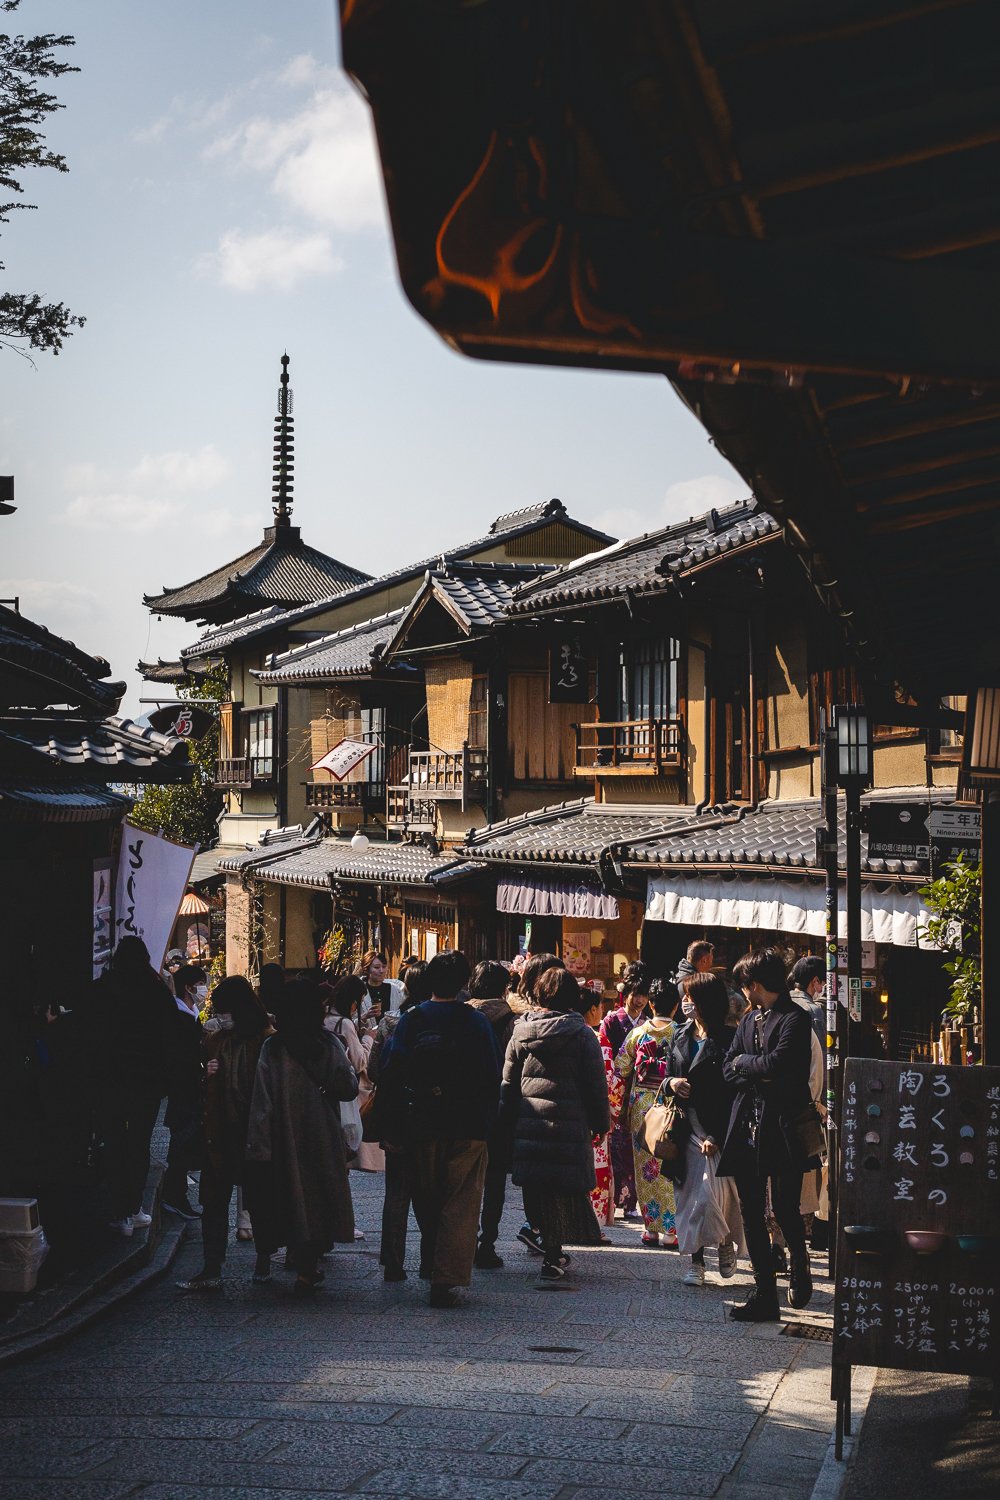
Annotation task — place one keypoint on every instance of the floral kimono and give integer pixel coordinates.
(612, 1033)
(642, 1064)
(603, 1195)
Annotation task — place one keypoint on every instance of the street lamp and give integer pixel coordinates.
(359, 843)
(854, 751)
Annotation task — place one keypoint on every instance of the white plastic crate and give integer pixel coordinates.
(21, 1255)
(18, 1214)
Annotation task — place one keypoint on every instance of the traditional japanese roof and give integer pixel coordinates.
(345, 653)
(279, 570)
(648, 563)
(38, 668)
(173, 672)
(25, 801)
(509, 528)
(312, 862)
(476, 596)
(112, 749)
(776, 834)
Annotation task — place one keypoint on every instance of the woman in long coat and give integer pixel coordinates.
(295, 1138)
(555, 1101)
(642, 1065)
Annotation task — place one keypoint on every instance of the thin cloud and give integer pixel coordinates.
(275, 259)
(117, 512)
(58, 606)
(689, 497)
(147, 495)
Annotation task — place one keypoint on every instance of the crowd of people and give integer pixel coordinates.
(692, 1106)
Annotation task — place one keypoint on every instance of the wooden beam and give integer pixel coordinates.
(976, 413)
(924, 465)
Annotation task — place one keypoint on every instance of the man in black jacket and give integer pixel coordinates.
(768, 1063)
(184, 1100)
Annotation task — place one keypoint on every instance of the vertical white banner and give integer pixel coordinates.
(152, 877)
(103, 883)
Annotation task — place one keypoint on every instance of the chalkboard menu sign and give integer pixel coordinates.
(918, 1254)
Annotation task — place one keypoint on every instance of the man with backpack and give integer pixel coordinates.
(439, 1095)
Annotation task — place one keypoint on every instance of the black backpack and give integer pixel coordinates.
(431, 1081)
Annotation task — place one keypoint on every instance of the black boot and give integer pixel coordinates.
(800, 1282)
(761, 1306)
(779, 1260)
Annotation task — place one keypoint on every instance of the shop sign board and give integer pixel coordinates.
(569, 672)
(920, 1174)
(954, 830)
(898, 830)
(344, 757)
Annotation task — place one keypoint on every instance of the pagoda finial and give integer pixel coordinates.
(284, 451)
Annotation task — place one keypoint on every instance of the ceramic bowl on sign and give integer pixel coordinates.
(866, 1239)
(925, 1241)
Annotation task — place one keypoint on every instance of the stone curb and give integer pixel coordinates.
(831, 1482)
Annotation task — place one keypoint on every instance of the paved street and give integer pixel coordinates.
(629, 1382)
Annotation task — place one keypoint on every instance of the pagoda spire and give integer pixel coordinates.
(283, 466)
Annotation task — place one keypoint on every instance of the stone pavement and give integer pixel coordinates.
(628, 1381)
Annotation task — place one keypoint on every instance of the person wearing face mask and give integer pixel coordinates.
(230, 1052)
(183, 1116)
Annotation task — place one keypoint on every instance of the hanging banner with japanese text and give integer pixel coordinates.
(152, 876)
(342, 757)
(569, 672)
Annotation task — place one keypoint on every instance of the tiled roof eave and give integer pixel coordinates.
(765, 869)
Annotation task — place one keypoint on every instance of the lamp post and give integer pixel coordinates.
(983, 771)
(854, 773)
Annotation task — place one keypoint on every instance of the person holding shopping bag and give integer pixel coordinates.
(707, 1207)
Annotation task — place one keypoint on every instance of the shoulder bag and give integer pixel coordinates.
(665, 1127)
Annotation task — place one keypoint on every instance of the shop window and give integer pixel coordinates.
(258, 734)
(649, 679)
(478, 711)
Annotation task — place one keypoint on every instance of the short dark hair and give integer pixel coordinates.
(447, 973)
(533, 970)
(699, 950)
(710, 999)
(806, 970)
(187, 977)
(635, 980)
(740, 971)
(414, 977)
(766, 967)
(346, 994)
(234, 996)
(663, 998)
(558, 990)
(490, 980)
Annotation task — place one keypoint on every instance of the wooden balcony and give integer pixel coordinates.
(333, 794)
(241, 772)
(435, 776)
(629, 747)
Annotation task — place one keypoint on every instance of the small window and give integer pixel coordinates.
(259, 732)
(648, 679)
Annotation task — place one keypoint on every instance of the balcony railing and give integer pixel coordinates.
(337, 793)
(245, 771)
(435, 776)
(629, 747)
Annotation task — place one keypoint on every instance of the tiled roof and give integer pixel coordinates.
(507, 527)
(549, 510)
(71, 802)
(44, 668)
(173, 672)
(281, 569)
(345, 653)
(647, 563)
(311, 863)
(118, 749)
(777, 833)
(476, 595)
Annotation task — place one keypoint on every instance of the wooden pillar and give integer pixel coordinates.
(990, 929)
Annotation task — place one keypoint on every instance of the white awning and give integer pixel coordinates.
(894, 914)
(555, 898)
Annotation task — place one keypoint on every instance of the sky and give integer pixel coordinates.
(223, 205)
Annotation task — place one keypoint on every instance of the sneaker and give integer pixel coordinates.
(445, 1296)
(203, 1282)
(800, 1282)
(262, 1270)
(695, 1276)
(487, 1259)
(727, 1261)
(760, 1307)
(551, 1276)
(358, 1235)
(183, 1209)
(122, 1226)
(141, 1220)
(779, 1260)
(532, 1238)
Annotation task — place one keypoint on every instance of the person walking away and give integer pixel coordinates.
(603, 1196)
(708, 1210)
(231, 1052)
(141, 1012)
(440, 1086)
(555, 1100)
(296, 1159)
(699, 959)
(488, 993)
(382, 994)
(768, 1064)
(184, 1104)
(357, 1037)
(642, 1066)
(530, 973)
(807, 987)
(396, 1203)
(615, 1027)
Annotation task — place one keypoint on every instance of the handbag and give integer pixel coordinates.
(664, 1127)
(351, 1125)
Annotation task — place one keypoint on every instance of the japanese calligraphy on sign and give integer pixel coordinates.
(919, 1154)
(569, 670)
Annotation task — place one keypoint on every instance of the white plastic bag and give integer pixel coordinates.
(350, 1124)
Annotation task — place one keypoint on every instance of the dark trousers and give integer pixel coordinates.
(183, 1151)
(215, 1193)
(447, 1185)
(395, 1210)
(786, 1187)
(130, 1122)
(494, 1193)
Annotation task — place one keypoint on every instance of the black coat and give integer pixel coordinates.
(772, 1079)
(555, 1098)
(712, 1094)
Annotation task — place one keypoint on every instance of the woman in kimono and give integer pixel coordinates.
(603, 1194)
(296, 1157)
(642, 1066)
(614, 1029)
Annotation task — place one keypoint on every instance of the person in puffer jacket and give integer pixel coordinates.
(554, 1100)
